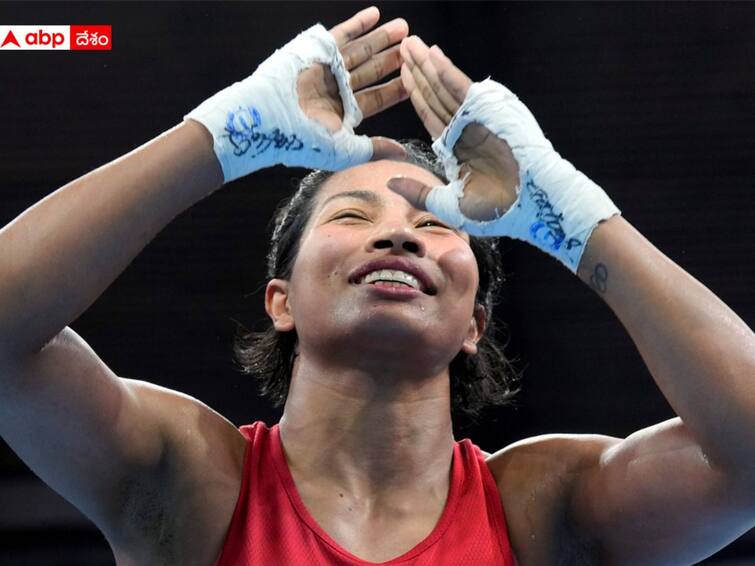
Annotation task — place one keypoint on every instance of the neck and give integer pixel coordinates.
(368, 433)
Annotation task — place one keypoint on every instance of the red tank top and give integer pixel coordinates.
(270, 524)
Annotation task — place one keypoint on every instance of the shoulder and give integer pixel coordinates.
(555, 453)
(535, 479)
(194, 493)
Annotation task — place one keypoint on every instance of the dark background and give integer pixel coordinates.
(654, 101)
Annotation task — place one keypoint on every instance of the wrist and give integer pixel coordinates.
(258, 122)
(241, 142)
(557, 207)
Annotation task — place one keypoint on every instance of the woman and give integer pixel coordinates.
(363, 466)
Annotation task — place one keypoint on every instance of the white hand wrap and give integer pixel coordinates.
(557, 206)
(258, 122)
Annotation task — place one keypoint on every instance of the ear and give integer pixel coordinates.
(277, 305)
(475, 331)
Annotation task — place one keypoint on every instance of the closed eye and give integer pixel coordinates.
(350, 214)
(431, 222)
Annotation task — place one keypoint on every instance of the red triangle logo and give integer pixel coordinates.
(10, 38)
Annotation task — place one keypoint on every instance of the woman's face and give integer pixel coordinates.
(375, 275)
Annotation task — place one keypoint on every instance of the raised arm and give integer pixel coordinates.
(58, 256)
(77, 425)
(680, 490)
(82, 429)
(670, 494)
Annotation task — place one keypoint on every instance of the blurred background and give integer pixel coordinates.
(654, 101)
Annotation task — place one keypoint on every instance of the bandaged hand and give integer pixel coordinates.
(301, 105)
(505, 177)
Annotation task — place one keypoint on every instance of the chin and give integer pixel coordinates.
(387, 333)
(384, 329)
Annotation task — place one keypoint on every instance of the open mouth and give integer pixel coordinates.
(394, 274)
(393, 278)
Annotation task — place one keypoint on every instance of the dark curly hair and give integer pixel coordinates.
(483, 380)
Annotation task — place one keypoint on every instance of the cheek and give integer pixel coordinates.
(461, 266)
(318, 258)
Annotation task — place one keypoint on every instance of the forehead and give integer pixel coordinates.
(373, 176)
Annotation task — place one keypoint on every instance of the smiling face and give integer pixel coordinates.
(374, 275)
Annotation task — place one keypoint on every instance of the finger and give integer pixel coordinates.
(425, 90)
(404, 47)
(376, 99)
(385, 148)
(430, 71)
(412, 190)
(427, 80)
(407, 79)
(381, 65)
(453, 79)
(428, 95)
(433, 124)
(363, 49)
(357, 25)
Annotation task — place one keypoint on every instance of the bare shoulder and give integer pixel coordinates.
(183, 513)
(535, 477)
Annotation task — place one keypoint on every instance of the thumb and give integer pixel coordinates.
(385, 148)
(442, 200)
(412, 190)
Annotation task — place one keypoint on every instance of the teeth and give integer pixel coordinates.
(391, 275)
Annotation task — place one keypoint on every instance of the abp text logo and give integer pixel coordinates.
(56, 38)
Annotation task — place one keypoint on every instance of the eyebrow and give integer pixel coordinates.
(368, 196)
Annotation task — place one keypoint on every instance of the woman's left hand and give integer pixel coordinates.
(505, 178)
(437, 89)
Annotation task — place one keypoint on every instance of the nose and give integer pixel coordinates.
(397, 239)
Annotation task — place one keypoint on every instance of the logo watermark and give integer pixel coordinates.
(56, 38)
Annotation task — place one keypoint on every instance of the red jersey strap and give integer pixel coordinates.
(271, 525)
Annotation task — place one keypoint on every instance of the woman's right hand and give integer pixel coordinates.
(299, 107)
(368, 57)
